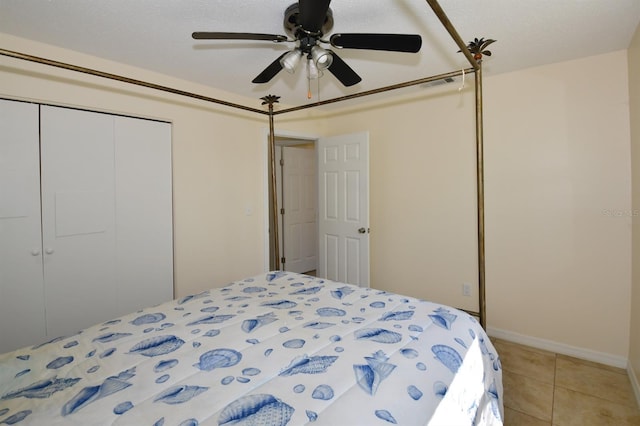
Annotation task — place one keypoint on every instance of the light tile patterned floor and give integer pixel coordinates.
(546, 389)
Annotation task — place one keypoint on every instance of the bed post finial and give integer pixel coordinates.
(478, 47)
(273, 223)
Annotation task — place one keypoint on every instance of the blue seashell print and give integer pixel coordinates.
(379, 335)
(22, 373)
(447, 356)
(279, 304)
(440, 389)
(268, 352)
(212, 333)
(416, 328)
(227, 380)
(110, 337)
(385, 415)
(298, 388)
(421, 366)
(209, 309)
(370, 376)
(211, 319)
(251, 324)
(322, 392)
(189, 422)
(71, 344)
(342, 292)
(310, 290)
(317, 325)
(158, 345)
(23, 357)
(90, 394)
(122, 408)
(163, 378)
(165, 365)
(237, 298)
(335, 338)
(251, 371)
(253, 289)
(331, 312)
(396, 316)
(377, 305)
(59, 362)
(107, 353)
(3, 411)
(275, 275)
(311, 415)
(42, 389)
(443, 318)
(294, 343)
(243, 379)
(256, 410)
(414, 392)
(17, 417)
(179, 394)
(93, 369)
(160, 422)
(461, 342)
(218, 358)
(192, 297)
(148, 319)
(112, 322)
(253, 341)
(309, 365)
(57, 339)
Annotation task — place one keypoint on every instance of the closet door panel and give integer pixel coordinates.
(78, 218)
(143, 213)
(22, 320)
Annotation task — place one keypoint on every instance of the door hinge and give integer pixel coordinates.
(282, 210)
(283, 260)
(282, 161)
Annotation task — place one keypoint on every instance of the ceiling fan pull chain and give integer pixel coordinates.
(463, 76)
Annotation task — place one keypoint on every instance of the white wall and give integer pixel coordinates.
(218, 156)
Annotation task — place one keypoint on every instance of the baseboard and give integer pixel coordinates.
(634, 382)
(560, 348)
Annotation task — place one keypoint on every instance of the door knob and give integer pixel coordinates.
(362, 230)
(35, 252)
(48, 250)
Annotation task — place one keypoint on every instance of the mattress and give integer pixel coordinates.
(276, 349)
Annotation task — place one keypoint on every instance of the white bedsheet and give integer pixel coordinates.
(276, 349)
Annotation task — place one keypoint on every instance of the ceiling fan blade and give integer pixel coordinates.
(390, 42)
(313, 14)
(343, 72)
(269, 72)
(203, 35)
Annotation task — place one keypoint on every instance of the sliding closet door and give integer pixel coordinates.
(143, 213)
(22, 320)
(78, 218)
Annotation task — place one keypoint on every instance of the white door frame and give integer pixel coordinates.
(309, 138)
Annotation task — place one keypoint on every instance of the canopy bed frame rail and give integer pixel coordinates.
(474, 58)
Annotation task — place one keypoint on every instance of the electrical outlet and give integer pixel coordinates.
(466, 289)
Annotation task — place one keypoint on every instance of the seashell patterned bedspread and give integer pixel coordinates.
(277, 349)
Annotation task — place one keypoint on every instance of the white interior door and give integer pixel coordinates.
(22, 320)
(343, 207)
(300, 205)
(78, 218)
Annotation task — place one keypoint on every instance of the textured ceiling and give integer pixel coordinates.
(156, 35)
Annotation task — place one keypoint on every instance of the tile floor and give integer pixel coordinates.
(543, 388)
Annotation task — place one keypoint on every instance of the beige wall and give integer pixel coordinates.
(634, 95)
(557, 202)
(218, 156)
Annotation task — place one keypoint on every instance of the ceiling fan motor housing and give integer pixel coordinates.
(292, 22)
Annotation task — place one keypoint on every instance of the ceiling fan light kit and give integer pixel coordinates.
(306, 22)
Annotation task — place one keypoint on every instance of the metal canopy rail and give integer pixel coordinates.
(475, 60)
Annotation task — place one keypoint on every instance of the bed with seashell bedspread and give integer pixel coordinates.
(277, 349)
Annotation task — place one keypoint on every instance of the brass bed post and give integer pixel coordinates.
(270, 100)
(480, 196)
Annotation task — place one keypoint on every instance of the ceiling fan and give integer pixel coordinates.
(306, 22)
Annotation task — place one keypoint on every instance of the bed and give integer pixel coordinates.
(275, 349)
